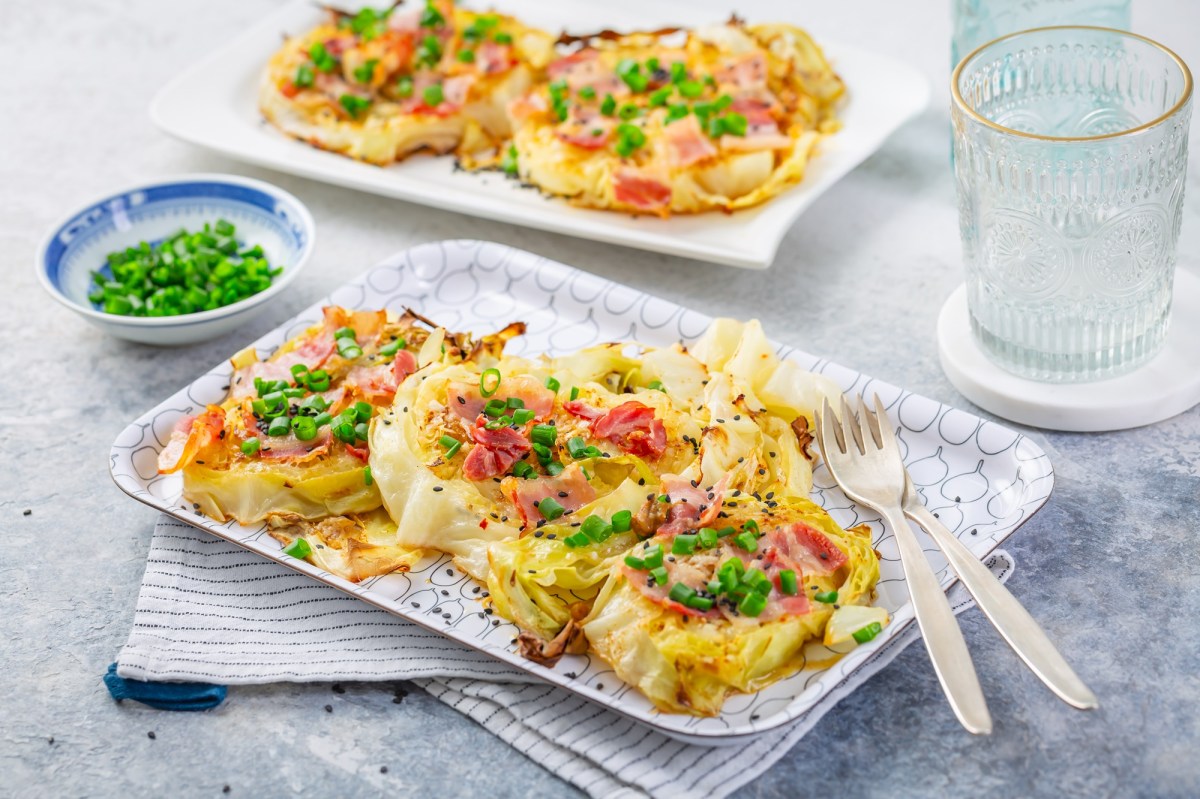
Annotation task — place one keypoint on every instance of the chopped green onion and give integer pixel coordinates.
(543, 453)
(579, 448)
(715, 587)
(634, 562)
(304, 427)
(577, 540)
(429, 52)
(298, 549)
(574, 393)
(250, 446)
(489, 381)
(550, 509)
(659, 96)
(789, 586)
(509, 163)
(608, 106)
(746, 541)
(354, 105)
(683, 545)
(629, 138)
(391, 348)
(361, 430)
(322, 58)
(706, 537)
(431, 17)
(514, 402)
(653, 556)
(677, 111)
(734, 124)
(495, 407)
(630, 71)
(596, 529)
(752, 526)
(656, 385)
(869, 632)
(523, 416)
(690, 89)
(466, 56)
(554, 468)
(322, 419)
(304, 77)
(503, 38)
(365, 71)
(725, 531)
(698, 602)
(629, 111)
(757, 581)
(678, 72)
(659, 573)
(588, 93)
(753, 604)
(544, 434)
(622, 520)
(279, 426)
(318, 380)
(433, 95)
(368, 478)
(348, 348)
(451, 444)
(681, 593)
(553, 384)
(297, 370)
(522, 469)
(827, 597)
(363, 411)
(664, 497)
(404, 86)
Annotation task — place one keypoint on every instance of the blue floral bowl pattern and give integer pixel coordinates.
(264, 215)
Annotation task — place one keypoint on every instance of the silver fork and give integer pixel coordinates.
(871, 472)
(1002, 609)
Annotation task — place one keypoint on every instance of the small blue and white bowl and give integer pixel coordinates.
(263, 214)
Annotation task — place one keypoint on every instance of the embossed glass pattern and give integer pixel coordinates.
(1070, 148)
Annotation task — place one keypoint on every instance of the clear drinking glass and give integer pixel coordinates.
(1070, 156)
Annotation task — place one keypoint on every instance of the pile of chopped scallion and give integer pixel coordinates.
(184, 273)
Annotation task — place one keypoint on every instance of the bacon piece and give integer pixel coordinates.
(375, 384)
(582, 410)
(639, 189)
(634, 428)
(677, 571)
(291, 449)
(192, 435)
(403, 365)
(492, 58)
(590, 135)
(289, 89)
(495, 451)
(570, 489)
(456, 89)
(690, 507)
(465, 400)
(747, 71)
(808, 548)
(363, 453)
(686, 142)
(584, 68)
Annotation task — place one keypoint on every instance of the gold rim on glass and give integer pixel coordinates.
(962, 105)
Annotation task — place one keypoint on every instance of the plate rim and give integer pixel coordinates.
(757, 253)
(715, 737)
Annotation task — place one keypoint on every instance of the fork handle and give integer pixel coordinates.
(1006, 614)
(939, 629)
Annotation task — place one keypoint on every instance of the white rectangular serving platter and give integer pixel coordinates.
(214, 104)
(982, 479)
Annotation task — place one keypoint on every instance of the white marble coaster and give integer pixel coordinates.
(1166, 386)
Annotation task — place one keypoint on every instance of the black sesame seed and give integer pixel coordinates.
(437, 488)
(28, 512)
(151, 735)
(329, 708)
(383, 769)
(338, 689)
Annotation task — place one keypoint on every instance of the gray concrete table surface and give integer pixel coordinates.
(1108, 566)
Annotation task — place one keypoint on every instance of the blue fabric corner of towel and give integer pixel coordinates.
(165, 695)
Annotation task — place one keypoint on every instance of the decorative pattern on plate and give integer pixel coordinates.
(982, 479)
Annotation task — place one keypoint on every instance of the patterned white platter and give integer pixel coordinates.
(214, 105)
(982, 479)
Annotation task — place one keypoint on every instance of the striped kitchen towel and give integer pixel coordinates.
(211, 611)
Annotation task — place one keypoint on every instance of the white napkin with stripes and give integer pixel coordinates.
(211, 611)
